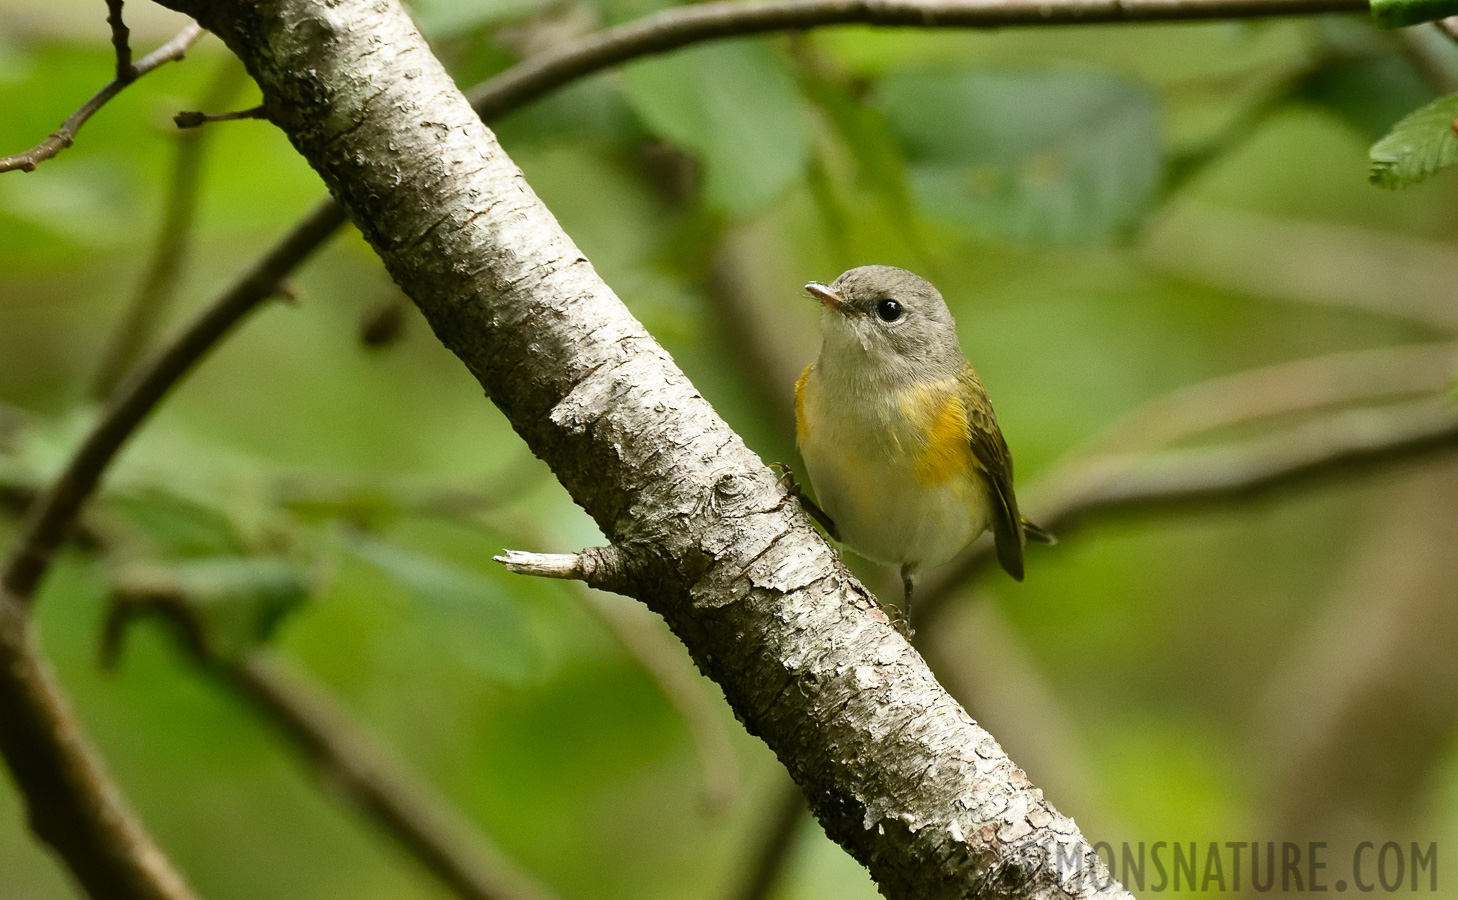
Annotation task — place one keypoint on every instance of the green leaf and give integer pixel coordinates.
(1416, 147)
(1402, 13)
(1038, 157)
(473, 618)
(735, 105)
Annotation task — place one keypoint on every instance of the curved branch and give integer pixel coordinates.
(65, 136)
(1337, 446)
(684, 25)
(1280, 390)
(348, 759)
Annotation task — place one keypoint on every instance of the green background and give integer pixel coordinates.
(1112, 212)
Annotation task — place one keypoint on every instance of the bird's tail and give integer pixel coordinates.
(1038, 533)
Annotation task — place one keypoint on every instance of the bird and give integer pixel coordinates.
(897, 434)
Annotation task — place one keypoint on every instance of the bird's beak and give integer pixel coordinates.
(830, 298)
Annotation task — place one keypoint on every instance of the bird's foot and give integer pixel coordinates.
(792, 487)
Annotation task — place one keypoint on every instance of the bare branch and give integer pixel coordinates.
(654, 648)
(348, 760)
(72, 803)
(121, 40)
(65, 136)
(787, 814)
(681, 26)
(199, 119)
(1281, 390)
(1338, 446)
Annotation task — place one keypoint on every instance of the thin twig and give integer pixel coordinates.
(653, 646)
(343, 755)
(187, 120)
(164, 271)
(121, 40)
(1281, 390)
(65, 136)
(787, 813)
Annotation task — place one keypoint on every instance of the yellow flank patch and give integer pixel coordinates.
(802, 428)
(939, 414)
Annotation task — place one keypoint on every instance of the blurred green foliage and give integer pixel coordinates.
(1030, 173)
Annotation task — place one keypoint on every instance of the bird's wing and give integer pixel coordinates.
(996, 468)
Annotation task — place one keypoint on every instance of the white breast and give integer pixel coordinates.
(860, 454)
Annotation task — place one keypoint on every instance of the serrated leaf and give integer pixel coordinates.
(1418, 146)
(734, 105)
(1038, 157)
(472, 617)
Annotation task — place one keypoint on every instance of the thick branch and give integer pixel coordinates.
(897, 771)
(65, 136)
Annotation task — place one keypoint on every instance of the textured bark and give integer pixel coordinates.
(896, 770)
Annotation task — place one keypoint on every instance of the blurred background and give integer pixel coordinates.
(1161, 249)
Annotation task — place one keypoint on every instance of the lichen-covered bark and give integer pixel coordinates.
(897, 772)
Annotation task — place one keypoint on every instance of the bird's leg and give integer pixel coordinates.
(908, 582)
(792, 487)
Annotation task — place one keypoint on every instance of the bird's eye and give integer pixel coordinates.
(889, 310)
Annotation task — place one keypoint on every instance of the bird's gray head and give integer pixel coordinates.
(886, 324)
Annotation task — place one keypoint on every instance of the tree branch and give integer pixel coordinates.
(1340, 445)
(343, 756)
(804, 654)
(65, 136)
(684, 25)
(71, 802)
(347, 760)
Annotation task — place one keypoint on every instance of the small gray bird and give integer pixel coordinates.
(897, 433)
